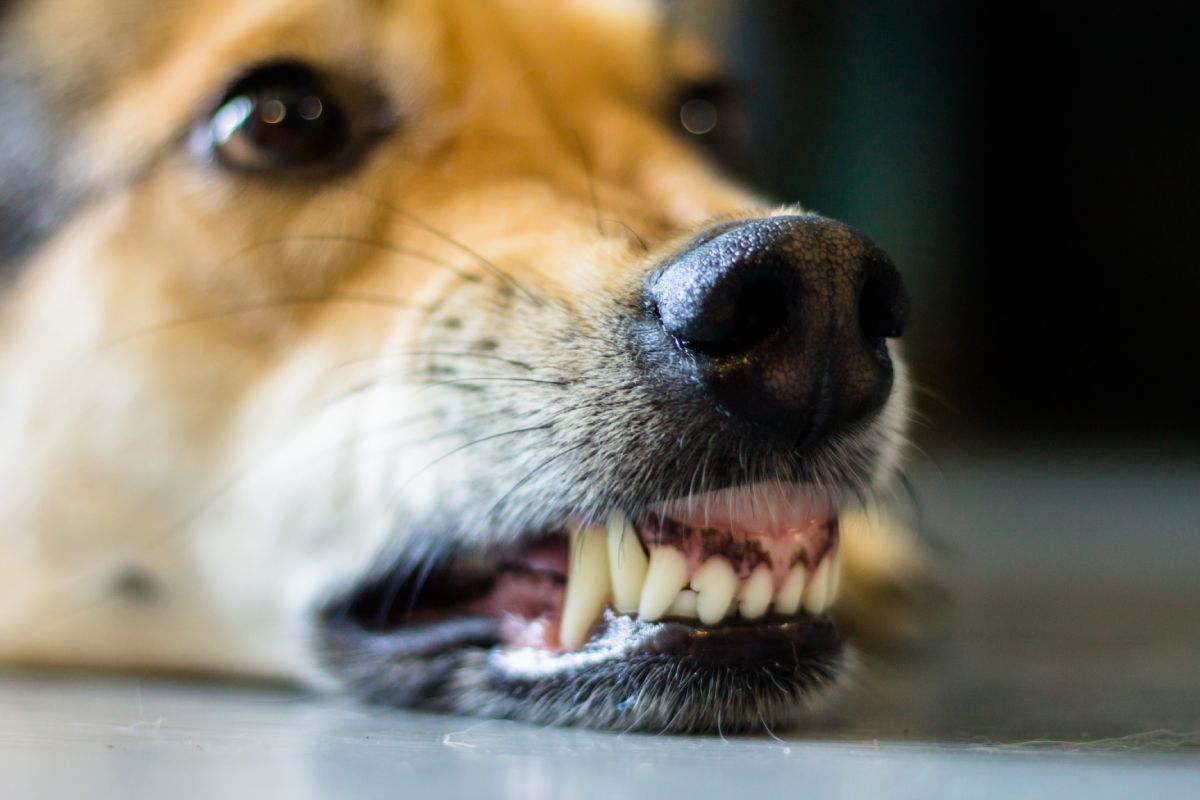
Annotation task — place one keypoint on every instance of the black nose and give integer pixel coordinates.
(783, 322)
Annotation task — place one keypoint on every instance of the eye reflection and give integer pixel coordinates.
(699, 116)
(311, 108)
(273, 112)
(229, 119)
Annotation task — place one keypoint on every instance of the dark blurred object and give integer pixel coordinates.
(1032, 170)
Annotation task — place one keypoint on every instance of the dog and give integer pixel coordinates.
(426, 350)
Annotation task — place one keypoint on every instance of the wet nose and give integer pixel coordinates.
(783, 322)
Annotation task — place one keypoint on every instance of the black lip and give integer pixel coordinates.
(669, 676)
(732, 644)
(673, 676)
(413, 641)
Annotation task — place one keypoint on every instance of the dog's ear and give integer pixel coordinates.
(30, 201)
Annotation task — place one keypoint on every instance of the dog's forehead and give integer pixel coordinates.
(80, 50)
(91, 91)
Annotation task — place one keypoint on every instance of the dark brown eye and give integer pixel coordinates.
(278, 117)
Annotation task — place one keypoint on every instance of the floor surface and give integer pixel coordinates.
(1067, 665)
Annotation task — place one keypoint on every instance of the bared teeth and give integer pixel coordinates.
(757, 592)
(816, 594)
(627, 563)
(666, 576)
(787, 601)
(715, 585)
(609, 565)
(684, 604)
(835, 576)
(587, 585)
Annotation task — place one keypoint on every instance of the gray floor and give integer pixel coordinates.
(1069, 663)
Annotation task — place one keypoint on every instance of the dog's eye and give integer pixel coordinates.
(710, 113)
(277, 117)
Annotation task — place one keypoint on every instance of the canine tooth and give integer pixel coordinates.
(587, 585)
(627, 563)
(684, 604)
(816, 596)
(787, 601)
(666, 575)
(835, 577)
(756, 594)
(715, 585)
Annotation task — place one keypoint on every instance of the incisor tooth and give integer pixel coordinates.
(816, 596)
(666, 575)
(756, 594)
(684, 604)
(787, 602)
(587, 586)
(715, 584)
(627, 563)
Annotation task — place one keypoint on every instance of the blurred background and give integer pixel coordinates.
(1033, 171)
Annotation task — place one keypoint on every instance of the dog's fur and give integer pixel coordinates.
(224, 397)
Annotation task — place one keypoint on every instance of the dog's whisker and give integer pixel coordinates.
(355, 241)
(585, 161)
(389, 381)
(488, 379)
(397, 354)
(274, 304)
(637, 237)
(529, 476)
(407, 216)
(474, 443)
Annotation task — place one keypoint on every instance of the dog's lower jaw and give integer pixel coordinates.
(664, 676)
(455, 653)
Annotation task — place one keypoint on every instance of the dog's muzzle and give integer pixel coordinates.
(761, 343)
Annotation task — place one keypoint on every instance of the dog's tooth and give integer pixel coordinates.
(666, 575)
(756, 593)
(835, 576)
(627, 563)
(787, 601)
(715, 585)
(816, 596)
(684, 604)
(587, 585)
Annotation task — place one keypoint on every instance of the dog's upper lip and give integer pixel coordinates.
(761, 508)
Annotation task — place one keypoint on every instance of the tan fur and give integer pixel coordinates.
(165, 366)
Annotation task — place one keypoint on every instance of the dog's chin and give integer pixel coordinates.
(671, 675)
(545, 628)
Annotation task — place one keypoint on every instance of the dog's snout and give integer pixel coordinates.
(783, 322)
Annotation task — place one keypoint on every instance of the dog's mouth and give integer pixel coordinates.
(727, 588)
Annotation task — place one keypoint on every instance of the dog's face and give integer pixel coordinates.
(415, 345)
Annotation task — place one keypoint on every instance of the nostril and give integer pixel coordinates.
(735, 326)
(882, 302)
